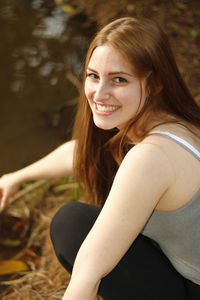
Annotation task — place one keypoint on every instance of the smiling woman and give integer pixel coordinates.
(135, 144)
(109, 87)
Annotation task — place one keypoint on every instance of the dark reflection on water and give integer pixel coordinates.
(40, 44)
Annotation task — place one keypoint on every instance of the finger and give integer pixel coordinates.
(3, 202)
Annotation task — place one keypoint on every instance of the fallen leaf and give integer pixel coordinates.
(10, 243)
(12, 266)
(71, 10)
(20, 224)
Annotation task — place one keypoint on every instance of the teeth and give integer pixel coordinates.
(106, 108)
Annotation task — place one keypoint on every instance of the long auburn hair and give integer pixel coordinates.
(99, 152)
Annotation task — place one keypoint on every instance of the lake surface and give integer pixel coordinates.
(42, 45)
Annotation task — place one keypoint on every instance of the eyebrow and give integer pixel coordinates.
(113, 73)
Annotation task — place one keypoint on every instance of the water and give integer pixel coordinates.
(39, 45)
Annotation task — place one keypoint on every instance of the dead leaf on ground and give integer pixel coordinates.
(12, 266)
(10, 243)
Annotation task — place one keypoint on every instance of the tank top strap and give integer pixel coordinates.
(179, 141)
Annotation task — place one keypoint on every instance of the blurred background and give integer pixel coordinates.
(43, 46)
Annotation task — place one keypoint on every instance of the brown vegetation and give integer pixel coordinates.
(25, 238)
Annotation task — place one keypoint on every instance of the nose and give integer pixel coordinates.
(101, 92)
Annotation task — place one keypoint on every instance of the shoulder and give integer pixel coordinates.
(147, 165)
(168, 145)
(151, 152)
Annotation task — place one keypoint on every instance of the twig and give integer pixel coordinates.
(37, 295)
(74, 80)
(36, 231)
(26, 190)
(71, 102)
(26, 277)
(18, 293)
(63, 187)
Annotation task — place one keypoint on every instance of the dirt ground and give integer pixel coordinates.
(25, 224)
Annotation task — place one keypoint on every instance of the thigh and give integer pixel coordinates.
(193, 290)
(143, 273)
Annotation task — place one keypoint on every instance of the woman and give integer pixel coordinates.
(139, 237)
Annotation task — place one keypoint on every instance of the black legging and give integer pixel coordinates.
(143, 273)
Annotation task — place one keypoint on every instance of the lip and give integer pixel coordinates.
(105, 112)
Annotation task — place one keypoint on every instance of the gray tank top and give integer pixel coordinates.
(178, 232)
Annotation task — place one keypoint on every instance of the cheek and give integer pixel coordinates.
(88, 95)
(127, 97)
(132, 100)
(88, 90)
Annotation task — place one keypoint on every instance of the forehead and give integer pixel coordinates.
(108, 59)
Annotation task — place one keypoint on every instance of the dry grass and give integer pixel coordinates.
(46, 277)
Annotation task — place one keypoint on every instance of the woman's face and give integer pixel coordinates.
(114, 93)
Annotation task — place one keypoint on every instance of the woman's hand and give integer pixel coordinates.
(58, 163)
(9, 185)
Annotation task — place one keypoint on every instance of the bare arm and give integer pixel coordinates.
(143, 177)
(58, 163)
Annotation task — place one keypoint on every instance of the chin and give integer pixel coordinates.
(104, 126)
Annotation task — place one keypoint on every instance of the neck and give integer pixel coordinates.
(140, 129)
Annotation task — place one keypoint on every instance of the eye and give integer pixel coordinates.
(92, 75)
(120, 80)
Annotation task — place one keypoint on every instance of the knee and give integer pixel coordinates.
(63, 220)
(70, 226)
(62, 233)
(68, 229)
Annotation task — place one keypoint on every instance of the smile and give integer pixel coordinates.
(106, 108)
